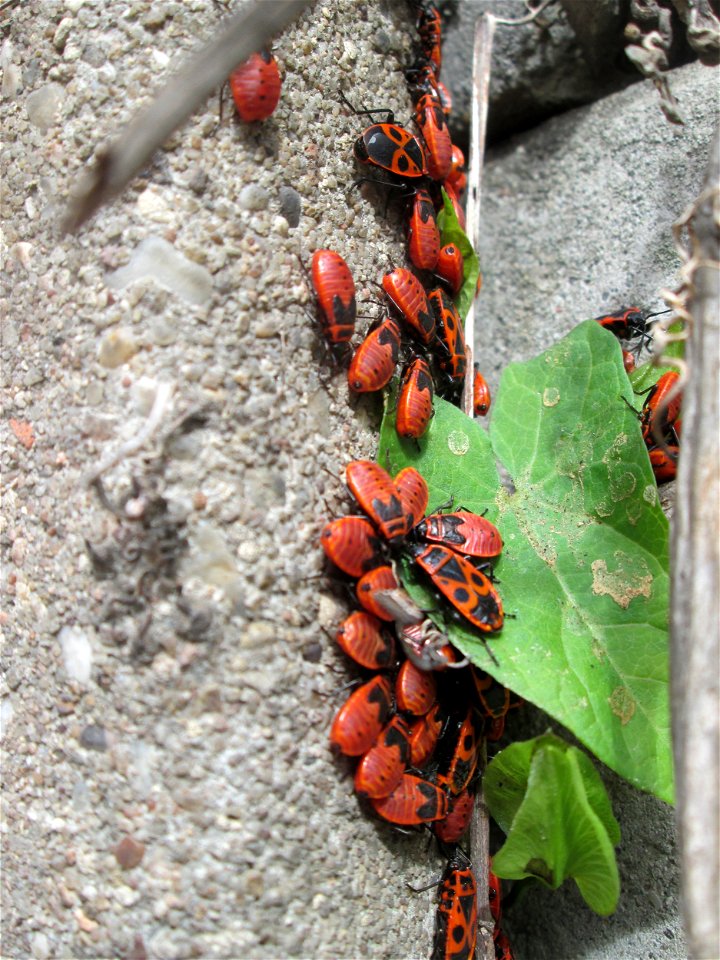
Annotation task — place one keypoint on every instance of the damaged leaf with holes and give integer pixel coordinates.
(584, 570)
(550, 801)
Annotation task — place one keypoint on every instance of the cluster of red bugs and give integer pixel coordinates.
(422, 323)
(417, 724)
(660, 415)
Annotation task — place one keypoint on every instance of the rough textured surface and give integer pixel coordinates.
(168, 689)
(173, 684)
(539, 68)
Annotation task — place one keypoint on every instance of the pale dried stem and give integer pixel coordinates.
(482, 61)
(235, 40)
(695, 556)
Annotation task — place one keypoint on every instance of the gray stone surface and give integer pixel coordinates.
(190, 711)
(168, 690)
(576, 220)
(540, 68)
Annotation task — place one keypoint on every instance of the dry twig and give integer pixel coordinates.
(236, 38)
(695, 599)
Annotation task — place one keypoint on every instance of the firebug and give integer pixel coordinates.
(255, 86)
(359, 721)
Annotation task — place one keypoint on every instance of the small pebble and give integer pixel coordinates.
(290, 205)
(94, 737)
(159, 260)
(43, 104)
(62, 32)
(116, 348)
(77, 653)
(253, 197)
(40, 946)
(129, 852)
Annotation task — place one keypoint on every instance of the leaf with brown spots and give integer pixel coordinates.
(584, 568)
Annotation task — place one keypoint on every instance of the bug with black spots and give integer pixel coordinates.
(471, 594)
(661, 408)
(382, 767)
(374, 489)
(388, 146)
(414, 801)
(429, 28)
(451, 829)
(450, 336)
(359, 721)
(406, 292)
(414, 494)
(255, 86)
(335, 293)
(370, 584)
(470, 534)
(430, 121)
(415, 400)
(458, 752)
(456, 921)
(450, 267)
(352, 544)
(481, 395)
(374, 361)
(362, 638)
(423, 236)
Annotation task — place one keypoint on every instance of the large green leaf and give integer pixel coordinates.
(550, 801)
(584, 570)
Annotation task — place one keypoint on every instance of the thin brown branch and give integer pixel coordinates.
(236, 38)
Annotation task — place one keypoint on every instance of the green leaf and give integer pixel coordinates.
(452, 232)
(584, 569)
(557, 818)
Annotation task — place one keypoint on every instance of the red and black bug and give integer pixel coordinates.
(412, 802)
(628, 361)
(374, 361)
(495, 897)
(424, 735)
(414, 494)
(453, 196)
(481, 395)
(626, 324)
(359, 721)
(335, 291)
(255, 86)
(467, 533)
(377, 494)
(493, 702)
(503, 949)
(471, 594)
(664, 463)
(381, 578)
(456, 924)
(450, 335)
(415, 690)
(458, 753)
(352, 544)
(422, 231)
(457, 178)
(382, 767)
(451, 829)
(430, 30)
(450, 266)
(362, 638)
(407, 293)
(661, 408)
(415, 400)
(430, 120)
(446, 101)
